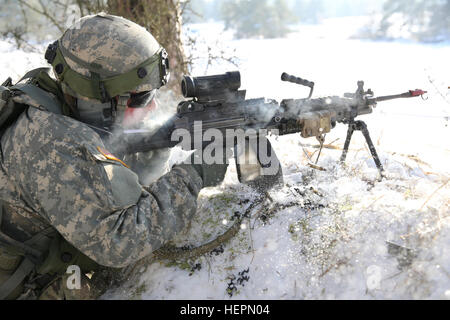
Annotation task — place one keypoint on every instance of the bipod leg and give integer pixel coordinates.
(361, 126)
(351, 128)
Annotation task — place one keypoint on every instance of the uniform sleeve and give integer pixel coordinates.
(97, 204)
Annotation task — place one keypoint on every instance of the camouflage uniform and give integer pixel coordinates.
(95, 203)
(57, 176)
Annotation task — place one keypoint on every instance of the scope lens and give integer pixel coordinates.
(188, 87)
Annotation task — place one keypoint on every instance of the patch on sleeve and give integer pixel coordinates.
(110, 156)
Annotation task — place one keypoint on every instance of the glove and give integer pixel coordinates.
(211, 174)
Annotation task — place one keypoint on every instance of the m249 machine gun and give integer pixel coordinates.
(319, 115)
(217, 103)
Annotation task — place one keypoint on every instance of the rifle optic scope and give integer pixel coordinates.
(207, 86)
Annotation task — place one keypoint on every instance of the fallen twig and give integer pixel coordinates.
(314, 166)
(370, 205)
(431, 195)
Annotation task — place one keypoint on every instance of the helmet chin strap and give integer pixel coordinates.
(71, 102)
(97, 114)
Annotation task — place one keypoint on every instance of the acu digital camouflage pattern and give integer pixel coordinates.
(53, 171)
(57, 290)
(113, 44)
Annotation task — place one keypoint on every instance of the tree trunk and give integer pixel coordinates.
(162, 18)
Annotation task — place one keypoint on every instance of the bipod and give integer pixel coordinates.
(361, 126)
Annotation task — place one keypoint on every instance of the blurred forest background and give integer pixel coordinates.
(427, 20)
(30, 23)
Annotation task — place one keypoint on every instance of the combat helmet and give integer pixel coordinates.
(108, 64)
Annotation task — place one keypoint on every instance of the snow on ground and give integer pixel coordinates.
(330, 240)
(323, 234)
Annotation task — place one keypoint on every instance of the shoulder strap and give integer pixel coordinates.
(37, 97)
(24, 269)
(39, 91)
(15, 279)
(38, 86)
(32, 258)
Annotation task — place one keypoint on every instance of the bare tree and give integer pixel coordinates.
(57, 12)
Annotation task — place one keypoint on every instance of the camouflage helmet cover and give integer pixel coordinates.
(111, 48)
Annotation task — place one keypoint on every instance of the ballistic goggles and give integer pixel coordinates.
(136, 100)
(135, 107)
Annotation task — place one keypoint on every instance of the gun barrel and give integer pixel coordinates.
(409, 94)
